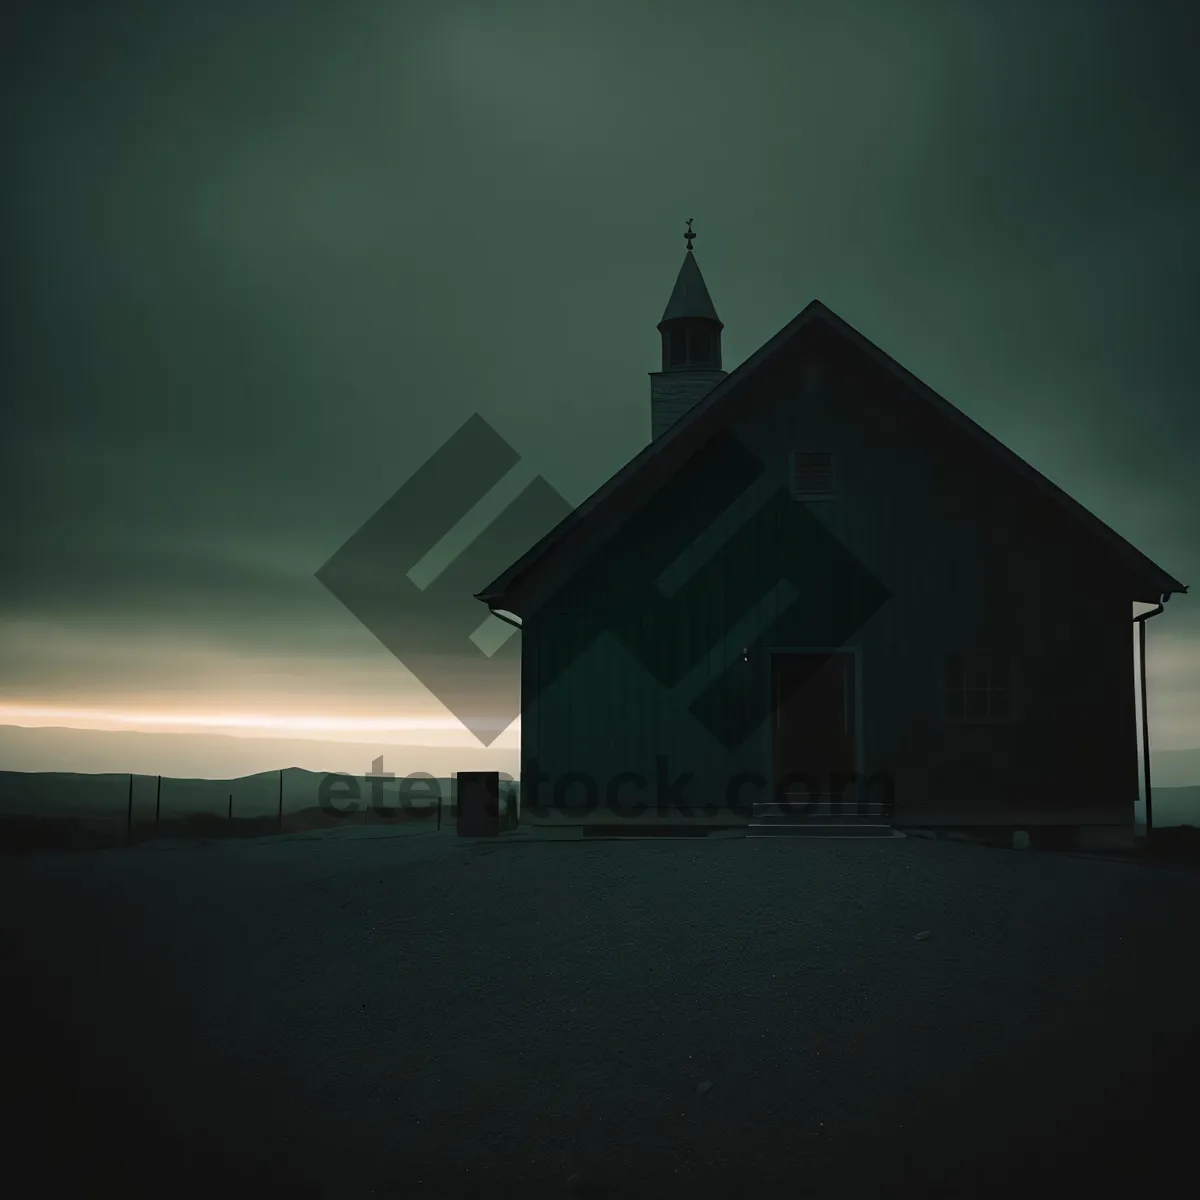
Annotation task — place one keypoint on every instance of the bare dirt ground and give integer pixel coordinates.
(358, 1015)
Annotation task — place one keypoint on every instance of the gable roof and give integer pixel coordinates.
(711, 412)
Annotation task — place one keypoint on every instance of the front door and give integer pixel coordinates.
(813, 733)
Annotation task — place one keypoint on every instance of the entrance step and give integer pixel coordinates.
(846, 829)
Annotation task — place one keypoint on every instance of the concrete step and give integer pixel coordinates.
(858, 830)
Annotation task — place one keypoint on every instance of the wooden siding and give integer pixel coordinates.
(968, 557)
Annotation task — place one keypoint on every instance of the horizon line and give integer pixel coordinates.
(39, 717)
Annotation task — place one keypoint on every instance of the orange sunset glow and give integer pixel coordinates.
(423, 730)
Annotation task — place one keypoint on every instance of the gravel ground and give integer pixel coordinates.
(358, 1015)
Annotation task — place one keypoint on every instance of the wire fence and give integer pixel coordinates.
(63, 812)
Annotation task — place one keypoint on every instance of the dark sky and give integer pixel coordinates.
(263, 259)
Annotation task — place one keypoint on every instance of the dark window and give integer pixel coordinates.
(677, 348)
(701, 346)
(977, 687)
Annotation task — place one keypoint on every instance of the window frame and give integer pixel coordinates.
(963, 699)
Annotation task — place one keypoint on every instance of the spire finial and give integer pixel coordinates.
(689, 235)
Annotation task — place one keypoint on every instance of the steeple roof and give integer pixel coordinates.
(690, 297)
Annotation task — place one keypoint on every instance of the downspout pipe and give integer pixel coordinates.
(1140, 620)
(515, 622)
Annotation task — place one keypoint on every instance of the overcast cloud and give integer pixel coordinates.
(264, 258)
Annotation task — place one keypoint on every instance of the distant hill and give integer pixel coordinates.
(102, 799)
(1174, 805)
(1173, 768)
(45, 810)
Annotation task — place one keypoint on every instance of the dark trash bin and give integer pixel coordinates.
(478, 803)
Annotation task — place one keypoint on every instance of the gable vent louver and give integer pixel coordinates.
(811, 475)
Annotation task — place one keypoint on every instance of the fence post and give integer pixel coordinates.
(281, 801)
(230, 812)
(157, 802)
(129, 817)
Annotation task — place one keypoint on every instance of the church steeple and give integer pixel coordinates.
(691, 346)
(690, 299)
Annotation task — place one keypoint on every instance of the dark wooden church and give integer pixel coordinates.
(822, 596)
